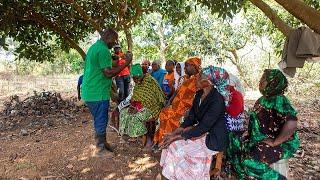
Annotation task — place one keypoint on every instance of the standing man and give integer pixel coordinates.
(97, 82)
(123, 78)
(157, 72)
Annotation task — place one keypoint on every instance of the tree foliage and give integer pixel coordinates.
(200, 34)
(43, 26)
(223, 8)
(35, 24)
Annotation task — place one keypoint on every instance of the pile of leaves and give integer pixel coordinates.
(39, 104)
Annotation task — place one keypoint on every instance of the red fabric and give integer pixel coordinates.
(122, 61)
(236, 105)
(136, 104)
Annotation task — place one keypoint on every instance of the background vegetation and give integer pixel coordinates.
(237, 36)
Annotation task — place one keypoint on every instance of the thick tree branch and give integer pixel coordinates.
(163, 46)
(243, 45)
(129, 39)
(235, 55)
(302, 11)
(128, 23)
(136, 17)
(272, 15)
(235, 61)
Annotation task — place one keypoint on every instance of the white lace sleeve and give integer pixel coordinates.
(125, 103)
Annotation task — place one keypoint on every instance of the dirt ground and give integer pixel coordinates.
(59, 146)
(62, 149)
(56, 147)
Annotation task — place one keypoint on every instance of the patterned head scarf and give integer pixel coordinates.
(277, 83)
(177, 76)
(196, 61)
(220, 78)
(136, 70)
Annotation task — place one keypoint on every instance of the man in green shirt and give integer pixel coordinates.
(97, 82)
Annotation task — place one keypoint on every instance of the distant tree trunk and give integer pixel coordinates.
(129, 39)
(272, 15)
(302, 11)
(163, 46)
(17, 62)
(55, 28)
(235, 61)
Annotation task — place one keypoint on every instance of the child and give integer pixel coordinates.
(123, 78)
(168, 81)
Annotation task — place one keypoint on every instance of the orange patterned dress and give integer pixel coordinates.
(170, 116)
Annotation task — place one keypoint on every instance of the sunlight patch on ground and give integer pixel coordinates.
(141, 165)
(142, 160)
(85, 170)
(86, 153)
(129, 177)
(110, 176)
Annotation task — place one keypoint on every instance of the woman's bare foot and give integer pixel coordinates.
(148, 145)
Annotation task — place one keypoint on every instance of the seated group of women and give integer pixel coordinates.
(205, 116)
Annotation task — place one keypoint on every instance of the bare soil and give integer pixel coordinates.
(60, 147)
(63, 150)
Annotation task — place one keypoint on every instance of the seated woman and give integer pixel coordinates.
(272, 127)
(126, 102)
(172, 114)
(188, 150)
(145, 105)
(178, 75)
(234, 110)
(235, 124)
(234, 107)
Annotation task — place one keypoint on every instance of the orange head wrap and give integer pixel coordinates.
(196, 61)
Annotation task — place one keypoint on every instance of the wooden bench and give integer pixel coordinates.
(216, 169)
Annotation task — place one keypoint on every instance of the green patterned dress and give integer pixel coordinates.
(150, 95)
(267, 119)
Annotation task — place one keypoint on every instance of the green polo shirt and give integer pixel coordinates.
(96, 86)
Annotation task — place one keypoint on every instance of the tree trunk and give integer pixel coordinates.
(235, 61)
(129, 39)
(302, 11)
(163, 46)
(272, 15)
(55, 28)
